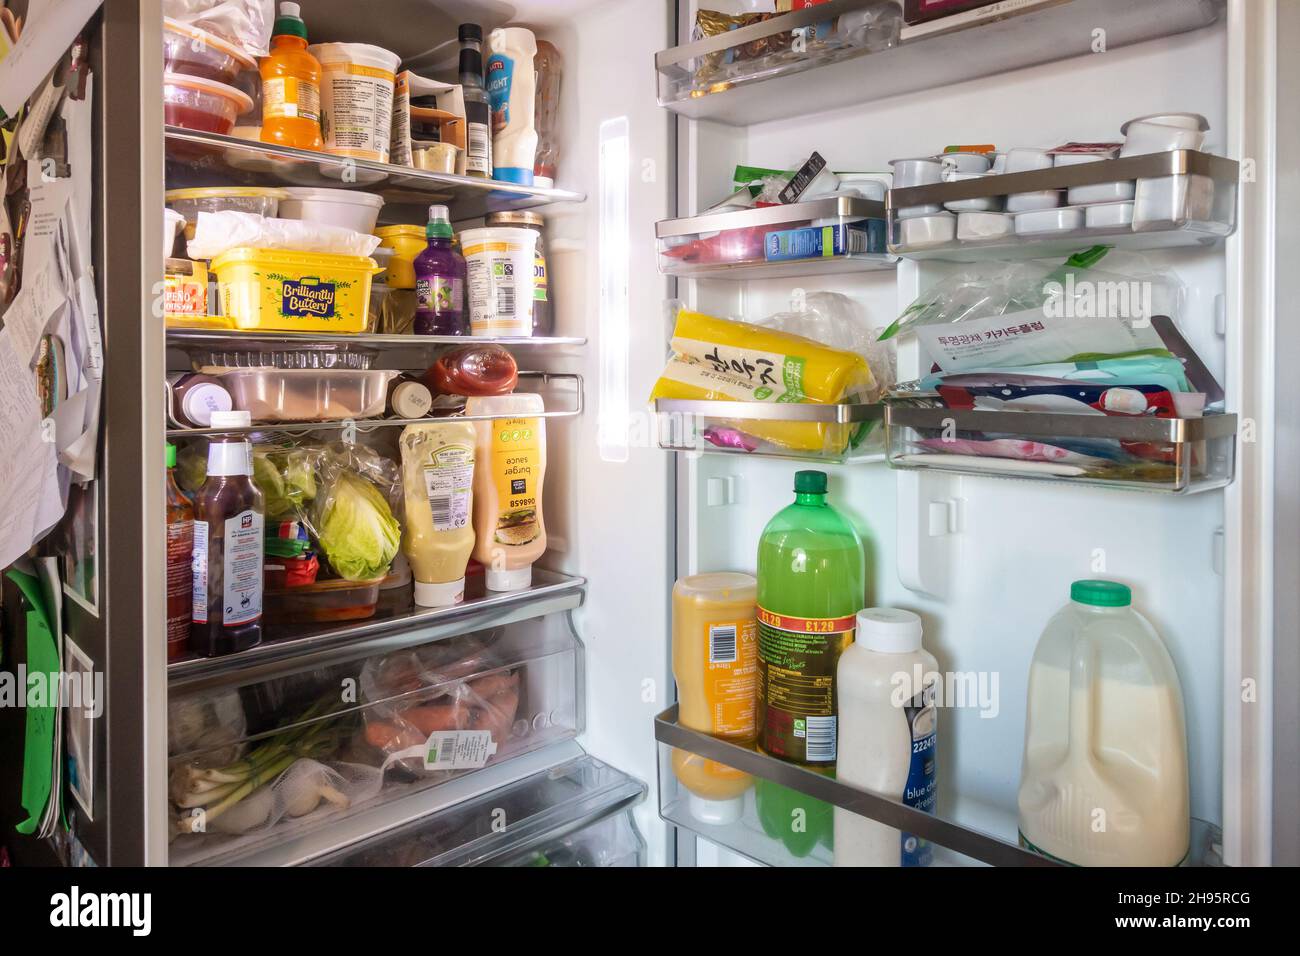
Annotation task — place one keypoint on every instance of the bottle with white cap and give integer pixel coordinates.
(887, 717)
(229, 516)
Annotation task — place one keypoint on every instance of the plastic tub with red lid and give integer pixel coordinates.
(195, 52)
(207, 106)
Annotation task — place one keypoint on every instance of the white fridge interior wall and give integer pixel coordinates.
(617, 502)
(1022, 542)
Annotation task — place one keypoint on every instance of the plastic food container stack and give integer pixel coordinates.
(323, 602)
(195, 52)
(301, 395)
(278, 291)
(203, 105)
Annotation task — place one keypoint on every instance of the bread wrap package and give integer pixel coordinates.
(723, 360)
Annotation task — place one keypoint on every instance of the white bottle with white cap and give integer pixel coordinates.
(887, 719)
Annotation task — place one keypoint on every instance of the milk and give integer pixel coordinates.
(887, 735)
(1104, 776)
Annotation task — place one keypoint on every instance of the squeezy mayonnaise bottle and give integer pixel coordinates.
(438, 483)
(512, 95)
(509, 470)
(715, 664)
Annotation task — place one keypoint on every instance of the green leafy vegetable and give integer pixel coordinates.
(357, 530)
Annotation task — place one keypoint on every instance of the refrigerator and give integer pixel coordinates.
(635, 499)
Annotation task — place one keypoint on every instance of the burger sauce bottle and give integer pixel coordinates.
(229, 515)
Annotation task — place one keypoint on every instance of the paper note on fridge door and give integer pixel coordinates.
(1031, 338)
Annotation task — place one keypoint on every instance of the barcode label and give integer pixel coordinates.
(506, 292)
(441, 507)
(820, 742)
(722, 644)
(478, 141)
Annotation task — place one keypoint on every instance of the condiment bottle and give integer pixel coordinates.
(290, 85)
(549, 66)
(180, 574)
(440, 281)
(408, 398)
(229, 516)
(478, 114)
(543, 311)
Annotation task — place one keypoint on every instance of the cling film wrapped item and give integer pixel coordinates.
(453, 692)
(724, 360)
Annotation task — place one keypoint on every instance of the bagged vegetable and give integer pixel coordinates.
(286, 476)
(352, 516)
(723, 360)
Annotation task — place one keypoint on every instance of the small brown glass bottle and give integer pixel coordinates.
(229, 516)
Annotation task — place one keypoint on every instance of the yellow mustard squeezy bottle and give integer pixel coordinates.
(290, 85)
(438, 486)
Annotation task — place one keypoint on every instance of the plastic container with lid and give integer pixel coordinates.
(349, 208)
(324, 602)
(306, 395)
(543, 306)
(284, 291)
(1105, 738)
(715, 664)
(1039, 222)
(195, 52)
(262, 200)
(435, 157)
(407, 241)
(356, 98)
(203, 105)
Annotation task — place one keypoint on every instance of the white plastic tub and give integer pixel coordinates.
(981, 226)
(356, 98)
(966, 162)
(1112, 215)
(923, 171)
(499, 265)
(979, 204)
(349, 208)
(1117, 191)
(1024, 159)
(1038, 199)
(1165, 199)
(927, 230)
(1048, 221)
(1163, 132)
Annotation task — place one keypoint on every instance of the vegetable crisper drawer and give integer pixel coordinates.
(574, 814)
(270, 759)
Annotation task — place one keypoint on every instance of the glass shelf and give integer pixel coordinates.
(965, 832)
(550, 384)
(398, 622)
(233, 339)
(802, 431)
(1172, 455)
(719, 78)
(540, 813)
(208, 159)
(1181, 198)
(742, 243)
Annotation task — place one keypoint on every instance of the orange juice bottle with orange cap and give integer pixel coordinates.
(290, 85)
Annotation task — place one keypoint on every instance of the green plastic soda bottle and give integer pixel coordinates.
(811, 585)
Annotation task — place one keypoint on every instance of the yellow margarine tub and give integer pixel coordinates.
(281, 291)
(407, 242)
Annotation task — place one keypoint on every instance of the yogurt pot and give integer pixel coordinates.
(1038, 199)
(1047, 221)
(1108, 215)
(999, 161)
(924, 171)
(1024, 159)
(924, 231)
(1097, 192)
(981, 204)
(1163, 132)
(356, 98)
(965, 162)
(981, 226)
(499, 263)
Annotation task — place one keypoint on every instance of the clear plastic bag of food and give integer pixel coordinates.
(354, 516)
(452, 688)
